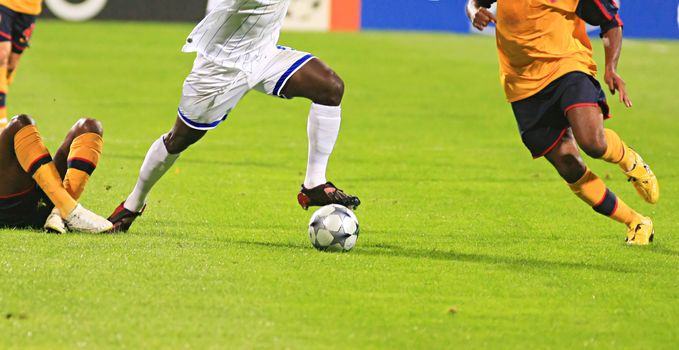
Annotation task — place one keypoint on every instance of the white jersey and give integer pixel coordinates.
(239, 33)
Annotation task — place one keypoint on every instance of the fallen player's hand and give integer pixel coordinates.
(615, 83)
(482, 17)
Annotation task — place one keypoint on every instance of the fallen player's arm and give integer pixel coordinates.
(604, 13)
(479, 14)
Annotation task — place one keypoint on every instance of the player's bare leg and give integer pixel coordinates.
(565, 157)
(605, 144)
(12, 66)
(159, 158)
(76, 159)
(320, 84)
(5, 53)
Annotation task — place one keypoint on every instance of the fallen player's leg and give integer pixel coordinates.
(76, 160)
(26, 162)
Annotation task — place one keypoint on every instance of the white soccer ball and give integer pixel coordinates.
(333, 228)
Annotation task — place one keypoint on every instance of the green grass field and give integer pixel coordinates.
(455, 213)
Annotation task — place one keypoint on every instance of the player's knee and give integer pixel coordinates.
(333, 91)
(595, 148)
(89, 125)
(20, 121)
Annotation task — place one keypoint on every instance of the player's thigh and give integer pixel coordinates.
(588, 127)
(584, 105)
(315, 81)
(14, 178)
(291, 73)
(274, 75)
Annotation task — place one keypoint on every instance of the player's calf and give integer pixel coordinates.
(593, 191)
(80, 154)
(181, 137)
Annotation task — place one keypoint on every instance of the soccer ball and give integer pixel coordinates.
(333, 228)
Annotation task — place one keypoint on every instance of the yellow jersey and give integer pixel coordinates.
(539, 41)
(29, 7)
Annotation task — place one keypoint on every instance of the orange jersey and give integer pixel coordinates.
(29, 7)
(538, 42)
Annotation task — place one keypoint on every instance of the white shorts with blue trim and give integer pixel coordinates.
(211, 91)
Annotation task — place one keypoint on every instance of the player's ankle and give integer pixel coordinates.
(311, 183)
(66, 211)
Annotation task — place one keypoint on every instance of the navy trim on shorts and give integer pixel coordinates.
(284, 78)
(199, 125)
(12, 199)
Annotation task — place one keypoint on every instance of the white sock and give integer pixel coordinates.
(155, 165)
(322, 129)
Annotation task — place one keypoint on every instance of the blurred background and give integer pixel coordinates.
(643, 18)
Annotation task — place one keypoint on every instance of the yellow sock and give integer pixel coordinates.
(3, 93)
(82, 160)
(617, 151)
(36, 161)
(593, 191)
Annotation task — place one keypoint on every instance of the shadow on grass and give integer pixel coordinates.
(662, 250)
(383, 250)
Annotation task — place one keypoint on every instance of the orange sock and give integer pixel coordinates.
(36, 161)
(617, 151)
(593, 191)
(82, 160)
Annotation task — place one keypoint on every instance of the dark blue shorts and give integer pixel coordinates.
(542, 117)
(28, 209)
(16, 27)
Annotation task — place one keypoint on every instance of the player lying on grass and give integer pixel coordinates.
(38, 191)
(17, 20)
(237, 52)
(549, 77)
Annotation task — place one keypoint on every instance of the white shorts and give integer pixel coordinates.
(211, 91)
